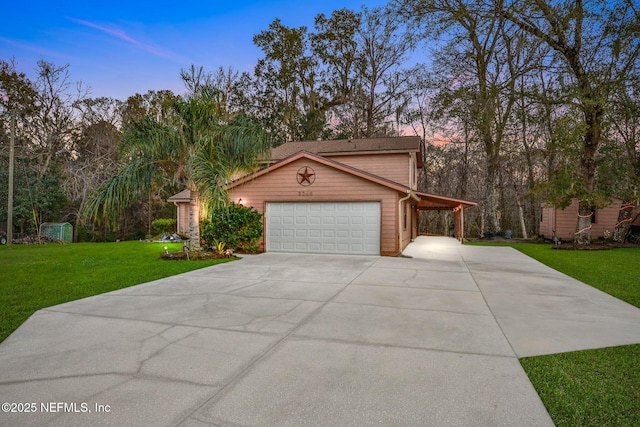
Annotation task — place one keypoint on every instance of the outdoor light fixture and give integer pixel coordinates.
(240, 201)
(166, 251)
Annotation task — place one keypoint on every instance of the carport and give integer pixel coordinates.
(431, 202)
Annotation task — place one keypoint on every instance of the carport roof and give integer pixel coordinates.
(435, 202)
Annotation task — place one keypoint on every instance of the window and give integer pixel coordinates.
(593, 214)
(405, 215)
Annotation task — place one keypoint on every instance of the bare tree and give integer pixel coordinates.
(53, 125)
(382, 86)
(477, 53)
(94, 156)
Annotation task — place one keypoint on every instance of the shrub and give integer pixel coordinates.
(237, 226)
(87, 235)
(163, 226)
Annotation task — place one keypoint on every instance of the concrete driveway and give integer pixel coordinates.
(291, 340)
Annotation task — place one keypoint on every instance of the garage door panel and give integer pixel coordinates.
(343, 220)
(332, 227)
(287, 233)
(342, 234)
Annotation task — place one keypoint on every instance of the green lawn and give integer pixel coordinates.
(594, 387)
(38, 276)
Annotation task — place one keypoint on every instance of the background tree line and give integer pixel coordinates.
(517, 102)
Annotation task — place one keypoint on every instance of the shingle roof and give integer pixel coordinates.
(401, 144)
(183, 196)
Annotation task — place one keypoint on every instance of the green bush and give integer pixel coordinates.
(163, 226)
(237, 226)
(87, 235)
(111, 236)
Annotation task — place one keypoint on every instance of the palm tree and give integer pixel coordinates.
(195, 146)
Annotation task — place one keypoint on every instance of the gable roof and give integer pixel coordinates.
(402, 144)
(323, 160)
(425, 198)
(183, 196)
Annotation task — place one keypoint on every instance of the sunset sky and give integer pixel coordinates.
(119, 48)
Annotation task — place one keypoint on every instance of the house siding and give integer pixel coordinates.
(330, 185)
(182, 225)
(546, 221)
(395, 167)
(407, 234)
(564, 221)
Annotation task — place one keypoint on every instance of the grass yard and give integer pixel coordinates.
(615, 271)
(593, 387)
(38, 276)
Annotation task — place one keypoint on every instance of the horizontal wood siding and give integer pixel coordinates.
(566, 220)
(330, 185)
(406, 232)
(390, 166)
(182, 226)
(546, 223)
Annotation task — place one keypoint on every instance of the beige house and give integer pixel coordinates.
(181, 200)
(561, 223)
(342, 196)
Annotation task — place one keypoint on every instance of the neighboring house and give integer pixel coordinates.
(561, 223)
(342, 196)
(181, 200)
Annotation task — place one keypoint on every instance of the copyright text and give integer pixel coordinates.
(54, 407)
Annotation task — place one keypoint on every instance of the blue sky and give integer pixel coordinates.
(119, 48)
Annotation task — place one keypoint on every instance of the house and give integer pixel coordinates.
(342, 196)
(181, 200)
(561, 222)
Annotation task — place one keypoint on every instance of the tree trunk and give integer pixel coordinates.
(583, 233)
(625, 216)
(464, 172)
(492, 189)
(593, 113)
(523, 225)
(194, 219)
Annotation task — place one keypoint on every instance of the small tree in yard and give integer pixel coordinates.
(235, 226)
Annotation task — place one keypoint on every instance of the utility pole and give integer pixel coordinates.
(12, 142)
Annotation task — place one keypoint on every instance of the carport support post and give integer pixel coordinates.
(461, 224)
(458, 220)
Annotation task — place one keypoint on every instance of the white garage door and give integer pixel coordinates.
(327, 227)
